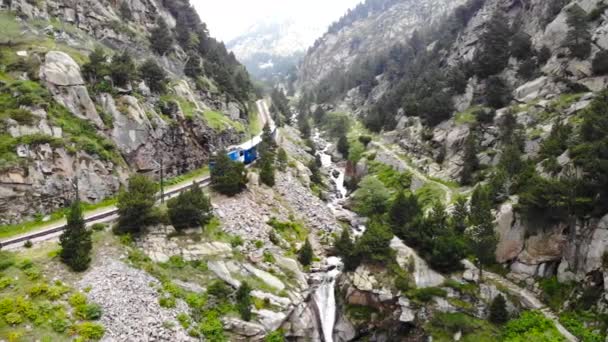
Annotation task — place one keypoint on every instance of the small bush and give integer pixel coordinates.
(38, 289)
(89, 312)
(60, 325)
(89, 331)
(13, 318)
(219, 289)
(236, 241)
(167, 302)
(184, 320)
(28, 244)
(425, 295)
(99, 227)
(600, 63)
(5, 282)
(77, 299)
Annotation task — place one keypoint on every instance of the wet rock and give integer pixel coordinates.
(409, 260)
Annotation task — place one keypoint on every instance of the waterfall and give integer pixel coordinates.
(325, 298)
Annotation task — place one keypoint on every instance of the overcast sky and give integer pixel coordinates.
(227, 19)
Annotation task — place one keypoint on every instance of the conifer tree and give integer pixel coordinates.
(471, 163)
(154, 76)
(267, 168)
(343, 146)
(315, 172)
(578, 39)
(282, 160)
(122, 69)
(135, 204)
(498, 93)
(97, 67)
(481, 234)
(125, 11)
(75, 241)
(194, 66)
(243, 301)
(344, 245)
(318, 115)
(460, 215)
(306, 254)
(498, 310)
(493, 53)
(404, 210)
(191, 208)
(161, 39)
(227, 176)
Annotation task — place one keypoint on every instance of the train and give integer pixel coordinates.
(246, 152)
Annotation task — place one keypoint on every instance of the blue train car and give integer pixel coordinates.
(250, 155)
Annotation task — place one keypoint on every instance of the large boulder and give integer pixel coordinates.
(511, 234)
(61, 74)
(407, 258)
(598, 246)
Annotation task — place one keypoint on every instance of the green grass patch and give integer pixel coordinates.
(220, 122)
(292, 232)
(531, 326)
(360, 312)
(37, 309)
(429, 194)
(582, 325)
(426, 294)
(443, 326)
(255, 124)
(555, 293)
(390, 177)
(469, 116)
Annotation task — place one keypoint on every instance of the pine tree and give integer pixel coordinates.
(460, 215)
(493, 53)
(600, 63)
(306, 254)
(154, 76)
(268, 143)
(227, 176)
(282, 160)
(75, 241)
(343, 146)
(470, 161)
(344, 245)
(498, 93)
(191, 208)
(243, 301)
(194, 66)
(521, 45)
(498, 310)
(374, 244)
(578, 39)
(97, 67)
(404, 210)
(267, 168)
(122, 69)
(318, 115)
(161, 39)
(315, 176)
(135, 204)
(481, 234)
(125, 11)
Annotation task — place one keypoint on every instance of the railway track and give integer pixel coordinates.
(112, 212)
(95, 218)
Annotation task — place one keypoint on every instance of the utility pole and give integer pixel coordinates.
(162, 181)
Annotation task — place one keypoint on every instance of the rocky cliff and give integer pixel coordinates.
(78, 131)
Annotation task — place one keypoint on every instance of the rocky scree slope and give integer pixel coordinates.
(61, 124)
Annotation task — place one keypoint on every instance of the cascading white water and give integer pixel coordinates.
(324, 294)
(325, 298)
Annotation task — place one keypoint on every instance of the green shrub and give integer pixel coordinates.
(191, 208)
(99, 227)
(60, 325)
(425, 295)
(573, 322)
(6, 260)
(6, 305)
(5, 282)
(184, 320)
(25, 264)
(32, 273)
(89, 331)
(276, 336)
(554, 292)
(89, 312)
(167, 302)
(212, 327)
(28, 244)
(77, 299)
(38, 289)
(13, 318)
(236, 241)
(219, 289)
(531, 326)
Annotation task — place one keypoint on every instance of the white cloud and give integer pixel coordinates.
(227, 19)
